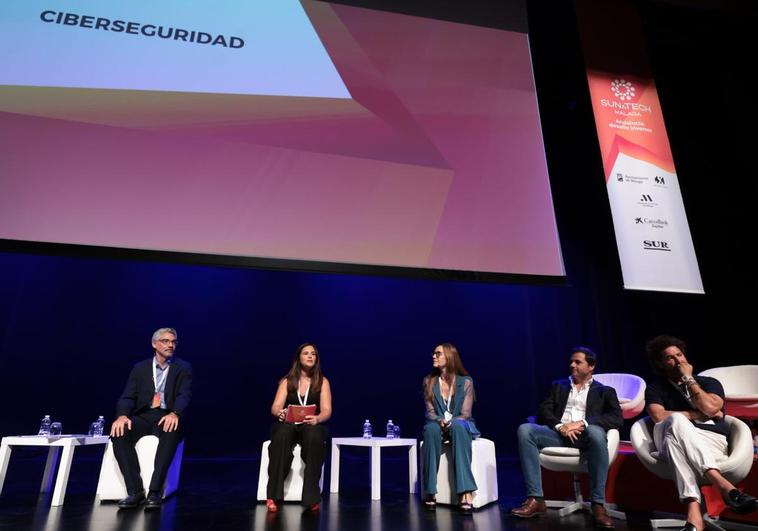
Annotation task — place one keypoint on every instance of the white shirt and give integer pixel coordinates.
(576, 405)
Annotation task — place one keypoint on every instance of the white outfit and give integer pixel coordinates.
(689, 451)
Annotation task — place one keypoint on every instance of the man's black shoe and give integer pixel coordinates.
(740, 502)
(153, 502)
(131, 501)
(688, 527)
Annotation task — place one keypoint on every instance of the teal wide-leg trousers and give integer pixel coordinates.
(460, 439)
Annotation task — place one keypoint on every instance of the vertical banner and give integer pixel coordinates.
(652, 234)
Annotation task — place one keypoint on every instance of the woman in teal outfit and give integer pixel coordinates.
(449, 397)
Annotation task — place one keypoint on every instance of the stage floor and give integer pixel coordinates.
(219, 494)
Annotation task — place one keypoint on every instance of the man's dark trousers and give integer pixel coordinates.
(145, 423)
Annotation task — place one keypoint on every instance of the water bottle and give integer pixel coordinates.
(44, 426)
(367, 429)
(96, 428)
(390, 429)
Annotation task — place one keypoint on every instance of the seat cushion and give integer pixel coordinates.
(560, 451)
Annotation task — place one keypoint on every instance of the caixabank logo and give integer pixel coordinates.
(656, 223)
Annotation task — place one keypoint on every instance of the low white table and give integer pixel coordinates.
(55, 443)
(376, 444)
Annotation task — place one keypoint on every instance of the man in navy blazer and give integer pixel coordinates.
(577, 413)
(153, 403)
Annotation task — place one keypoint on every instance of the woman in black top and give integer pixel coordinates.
(303, 385)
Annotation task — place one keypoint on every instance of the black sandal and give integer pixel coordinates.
(467, 507)
(430, 504)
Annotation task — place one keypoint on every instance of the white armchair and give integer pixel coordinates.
(740, 387)
(483, 468)
(630, 390)
(111, 485)
(293, 485)
(567, 459)
(735, 466)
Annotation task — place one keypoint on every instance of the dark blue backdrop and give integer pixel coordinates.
(72, 327)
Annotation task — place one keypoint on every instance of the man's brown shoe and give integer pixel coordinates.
(531, 507)
(601, 516)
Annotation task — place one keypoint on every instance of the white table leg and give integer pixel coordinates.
(61, 481)
(412, 469)
(334, 482)
(376, 473)
(53, 453)
(5, 456)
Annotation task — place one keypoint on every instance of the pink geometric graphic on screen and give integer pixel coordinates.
(436, 162)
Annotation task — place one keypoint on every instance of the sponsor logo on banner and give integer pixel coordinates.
(636, 179)
(655, 245)
(646, 200)
(623, 89)
(624, 103)
(659, 182)
(656, 223)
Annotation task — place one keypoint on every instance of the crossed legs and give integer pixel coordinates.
(691, 454)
